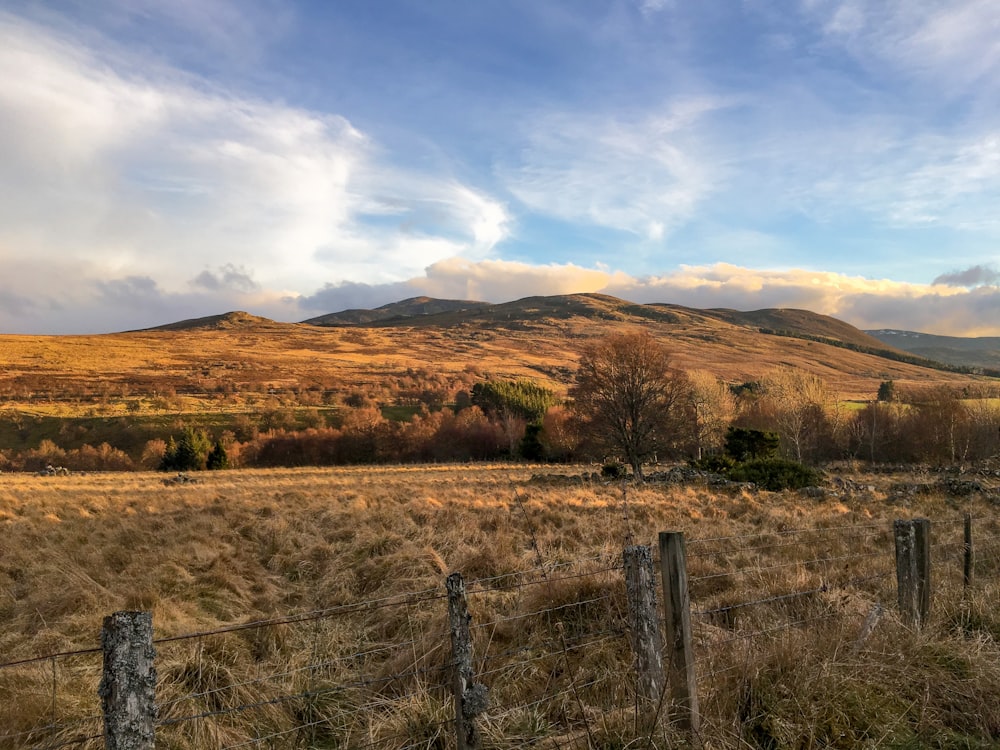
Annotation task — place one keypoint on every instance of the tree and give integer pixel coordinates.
(744, 444)
(713, 406)
(886, 391)
(518, 398)
(796, 402)
(189, 453)
(629, 397)
(217, 458)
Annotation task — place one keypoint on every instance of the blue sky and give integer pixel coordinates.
(160, 161)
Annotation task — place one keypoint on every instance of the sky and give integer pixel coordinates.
(168, 160)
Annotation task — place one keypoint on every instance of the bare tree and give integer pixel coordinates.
(630, 398)
(713, 407)
(797, 401)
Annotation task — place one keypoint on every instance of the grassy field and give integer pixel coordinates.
(338, 577)
(237, 364)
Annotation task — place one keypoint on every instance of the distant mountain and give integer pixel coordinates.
(982, 352)
(791, 321)
(540, 338)
(226, 321)
(407, 308)
(533, 311)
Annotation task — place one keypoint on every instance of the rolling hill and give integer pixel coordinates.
(981, 352)
(235, 360)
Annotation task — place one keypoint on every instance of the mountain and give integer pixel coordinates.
(224, 322)
(407, 308)
(980, 352)
(534, 311)
(241, 361)
(800, 323)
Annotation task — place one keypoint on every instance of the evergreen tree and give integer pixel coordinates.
(217, 457)
(531, 447)
(188, 453)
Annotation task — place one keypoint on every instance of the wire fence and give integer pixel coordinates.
(551, 644)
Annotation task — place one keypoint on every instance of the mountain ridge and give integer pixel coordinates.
(964, 351)
(237, 356)
(431, 312)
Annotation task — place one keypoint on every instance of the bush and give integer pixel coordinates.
(720, 464)
(613, 470)
(531, 448)
(744, 444)
(774, 474)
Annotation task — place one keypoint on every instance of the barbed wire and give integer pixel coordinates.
(785, 532)
(571, 690)
(700, 554)
(760, 568)
(768, 631)
(605, 635)
(824, 588)
(52, 727)
(363, 683)
(370, 605)
(68, 743)
(298, 670)
(47, 657)
(539, 569)
(536, 613)
(755, 602)
(545, 581)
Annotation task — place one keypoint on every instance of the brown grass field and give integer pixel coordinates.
(217, 363)
(338, 576)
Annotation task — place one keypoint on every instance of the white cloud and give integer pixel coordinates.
(865, 303)
(154, 174)
(951, 47)
(645, 176)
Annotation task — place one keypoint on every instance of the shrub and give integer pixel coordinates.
(774, 474)
(746, 444)
(613, 470)
(719, 464)
(531, 447)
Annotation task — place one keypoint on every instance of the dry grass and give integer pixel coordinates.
(238, 547)
(39, 371)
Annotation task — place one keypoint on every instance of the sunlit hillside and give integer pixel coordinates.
(220, 360)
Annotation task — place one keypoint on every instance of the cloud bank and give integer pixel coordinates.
(865, 303)
(116, 169)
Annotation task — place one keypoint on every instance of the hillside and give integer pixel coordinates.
(235, 360)
(407, 308)
(980, 352)
(226, 321)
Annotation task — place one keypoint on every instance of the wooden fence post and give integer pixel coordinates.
(128, 684)
(913, 569)
(471, 698)
(968, 567)
(680, 647)
(644, 624)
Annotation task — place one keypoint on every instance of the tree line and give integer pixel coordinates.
(628, 403)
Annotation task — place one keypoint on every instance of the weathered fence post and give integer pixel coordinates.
(471, 698)
(968, 567)
(128, 684)
(644, 624)
(913, 569)
(680, 647)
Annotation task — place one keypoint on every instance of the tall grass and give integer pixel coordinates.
(348, 567)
